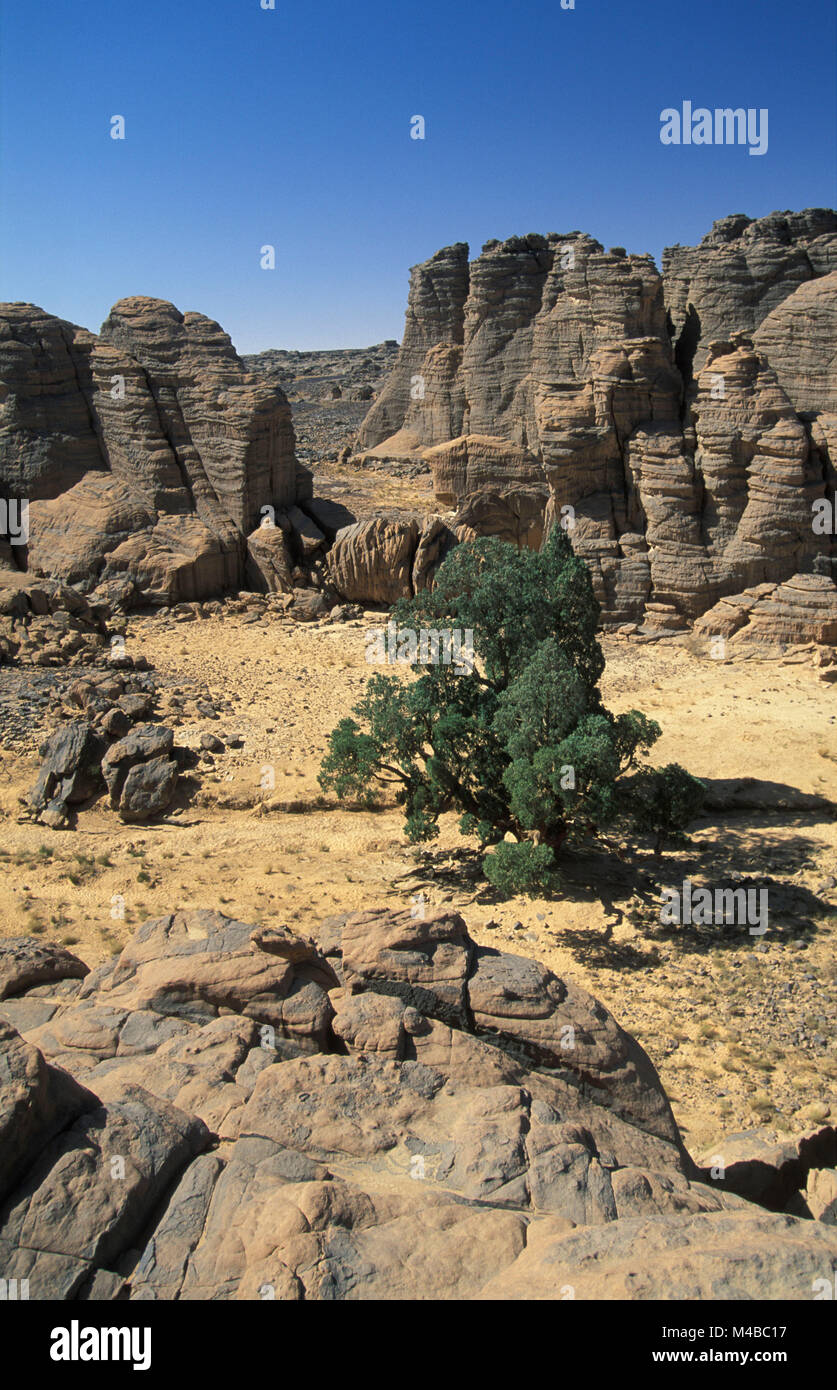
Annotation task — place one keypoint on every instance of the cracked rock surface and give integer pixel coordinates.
(381, 1109)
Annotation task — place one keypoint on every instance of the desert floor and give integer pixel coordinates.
(741, 1028)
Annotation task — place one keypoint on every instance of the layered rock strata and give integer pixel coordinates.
(146, 453)
(681, 426)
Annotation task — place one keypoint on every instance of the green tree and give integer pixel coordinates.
(521, 745)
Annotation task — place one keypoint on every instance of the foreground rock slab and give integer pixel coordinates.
(380, 1109)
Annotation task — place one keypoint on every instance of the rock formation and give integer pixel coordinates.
(742, 269)
(146, 452)
(46, 623)
(802, 610)
(384, 1111)
(108, 744)
(682, 426)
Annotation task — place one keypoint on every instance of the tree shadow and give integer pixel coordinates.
(729, 795)
(629, 883)
(598, 948)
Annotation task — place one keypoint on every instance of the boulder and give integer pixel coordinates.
(88, 1195)
(37, 1102)
(193, 965)
(372, 561)
(309, 605)
(515, 515)
(764, 1169)
(399, 1114)
(270, 564)
(26, 962)
(70, 773)
(425, 962)
(820, 1195)
(140, 773)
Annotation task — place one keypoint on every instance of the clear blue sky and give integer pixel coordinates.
(292, 127)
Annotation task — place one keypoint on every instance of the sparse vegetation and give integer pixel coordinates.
(522, 746)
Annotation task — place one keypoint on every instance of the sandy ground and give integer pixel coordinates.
(377, 491)
(741, 1028)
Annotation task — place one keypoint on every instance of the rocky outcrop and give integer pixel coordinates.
(473, 463)
(372, 561)
(434, 324)
(383, 1110)
(800, 340)
(38, 1101)
(269, 559)
(682, 425)
(690, 1258)
(729, 503)
(146, 452)
(25, 963)
(95, 1166)
(769, 1171)
(802, 610)
(44, 623)
(738, 274)
(681, 432)
(111, 748)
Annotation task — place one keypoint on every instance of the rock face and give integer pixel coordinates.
(435, 319)
(802, 610)
(146, 452)
(383, 1111)
(681, 426)
(800, 339)
(742, 269)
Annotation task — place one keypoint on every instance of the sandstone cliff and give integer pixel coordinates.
(146, 452)
(681, 425)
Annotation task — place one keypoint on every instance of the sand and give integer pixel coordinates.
(731, 1021)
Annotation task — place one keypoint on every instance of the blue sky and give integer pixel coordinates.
(291, 127)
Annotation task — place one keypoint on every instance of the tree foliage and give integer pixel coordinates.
(522, 745)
